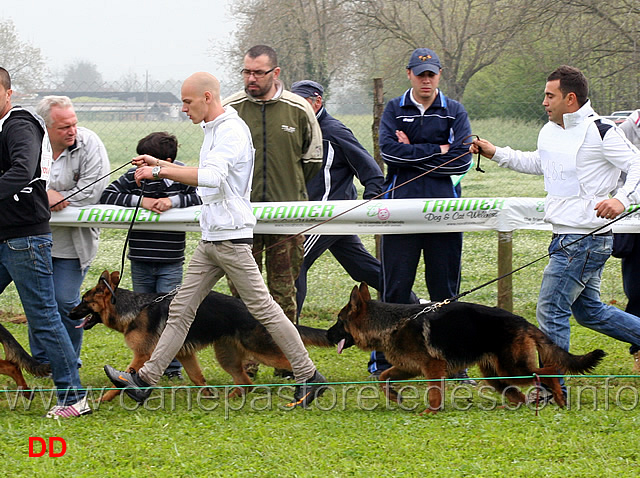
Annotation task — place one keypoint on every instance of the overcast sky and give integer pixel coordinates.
(168, 38)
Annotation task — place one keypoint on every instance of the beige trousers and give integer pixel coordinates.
(210, 262)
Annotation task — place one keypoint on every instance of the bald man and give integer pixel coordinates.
(223, 178)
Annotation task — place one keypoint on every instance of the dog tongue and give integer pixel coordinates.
(84, 322)
(341, 345)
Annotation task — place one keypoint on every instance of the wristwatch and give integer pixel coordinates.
(155, 172)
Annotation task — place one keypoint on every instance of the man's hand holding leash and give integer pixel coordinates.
(145, 165)
(483, 147)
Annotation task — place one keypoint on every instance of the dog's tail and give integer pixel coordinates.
(312, 336)
(551, 354)
(14, 352)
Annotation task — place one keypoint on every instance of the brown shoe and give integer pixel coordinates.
(636, 361)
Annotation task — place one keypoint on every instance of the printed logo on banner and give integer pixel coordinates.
(376, 210)
(383, 214)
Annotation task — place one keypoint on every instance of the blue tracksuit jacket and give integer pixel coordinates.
(445, 121)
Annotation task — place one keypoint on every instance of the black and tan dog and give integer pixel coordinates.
(221, 321)
(438, 343)
(16, 359)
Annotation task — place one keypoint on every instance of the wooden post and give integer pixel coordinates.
(378, 108)
(505, 265)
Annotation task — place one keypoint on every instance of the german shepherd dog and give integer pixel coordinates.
(437, 343)
(221, 321)
(16, 359)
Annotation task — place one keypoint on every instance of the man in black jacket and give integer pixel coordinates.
(343, 158)
(25, 243)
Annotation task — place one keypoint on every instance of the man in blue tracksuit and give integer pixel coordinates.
(421, 130)
(344, 158)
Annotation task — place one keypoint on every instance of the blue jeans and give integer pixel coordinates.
(27, 262)
(157, 277)
(571, 285)
(68, 277)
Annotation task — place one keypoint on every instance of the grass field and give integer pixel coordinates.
(351, 431)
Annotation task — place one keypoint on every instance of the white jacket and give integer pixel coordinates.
(581, 168)
(224, 178)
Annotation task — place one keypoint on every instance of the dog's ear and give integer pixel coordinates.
(355, 301)
(104, 276)
(364, 292)
(115, 278)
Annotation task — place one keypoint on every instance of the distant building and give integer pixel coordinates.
(119, 105)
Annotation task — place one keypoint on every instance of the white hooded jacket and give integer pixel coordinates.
(224, 178)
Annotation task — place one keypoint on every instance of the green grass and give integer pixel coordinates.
(355, 436)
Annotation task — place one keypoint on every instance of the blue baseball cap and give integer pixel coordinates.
(307, 88)
(423, 59)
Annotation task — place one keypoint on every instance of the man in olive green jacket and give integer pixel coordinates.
(288, 143)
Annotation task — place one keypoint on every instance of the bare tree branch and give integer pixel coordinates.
(23, 61)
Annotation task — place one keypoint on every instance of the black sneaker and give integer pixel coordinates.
(132, 384)
(540, 395)
(462, 378)
(174, 375)
(308, 391)
(283, 373)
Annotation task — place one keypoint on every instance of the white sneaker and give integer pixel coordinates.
(78, 409)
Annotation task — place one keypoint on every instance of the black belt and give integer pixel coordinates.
(608, 233)
(246, 240)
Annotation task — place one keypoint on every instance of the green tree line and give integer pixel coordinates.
(495, 53)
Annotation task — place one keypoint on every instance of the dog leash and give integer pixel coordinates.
(126, 240)
(91, 184)
(378, 196)
(112, 290)
(436, 305)
(168, 294)
(133, 219)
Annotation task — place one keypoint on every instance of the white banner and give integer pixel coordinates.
(380, 216)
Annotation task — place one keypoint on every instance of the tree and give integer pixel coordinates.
(311, 37)
(604, 41)
(131, 82)
(356, 40)
(519, 37)
(23, 61)
(82, 76)
(467, 35)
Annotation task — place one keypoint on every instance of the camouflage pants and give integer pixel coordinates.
(283, 264)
